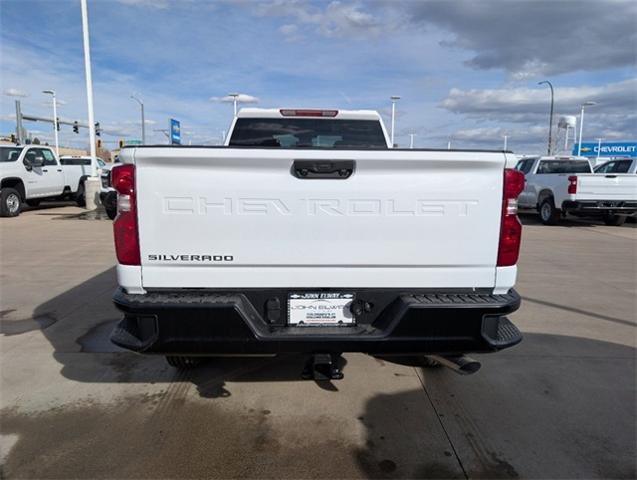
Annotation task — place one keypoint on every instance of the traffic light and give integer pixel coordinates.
(76, 127)
(121, 143)
(13, 138)
(57, 123)
(98, 130)
(99, 143)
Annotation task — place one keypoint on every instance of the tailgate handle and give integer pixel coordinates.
(334, 169)
(610, 176)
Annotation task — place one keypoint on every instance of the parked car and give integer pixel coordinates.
(32, 173)
(556, 186)
(308, 233)
(621, 165)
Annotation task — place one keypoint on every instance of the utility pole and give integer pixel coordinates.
(141, 104)
(55, 120)
(394, 99)
(550, 114)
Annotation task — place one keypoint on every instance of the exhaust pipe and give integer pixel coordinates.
(461, 364)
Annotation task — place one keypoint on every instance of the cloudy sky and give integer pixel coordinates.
(465, 70)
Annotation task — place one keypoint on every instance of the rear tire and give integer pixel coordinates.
(549, 215)
(428, 362)
(10, 202)
(111, 212)
(35, 202)
(614, 220)
(80, 195)
(182, 363)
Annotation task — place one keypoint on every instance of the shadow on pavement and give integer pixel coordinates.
(556, 406)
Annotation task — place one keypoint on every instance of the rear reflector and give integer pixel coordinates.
(125, 225)
(572, 184)
(308, 113)
(511, 228)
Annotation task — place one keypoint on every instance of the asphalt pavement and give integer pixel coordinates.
(559, 405)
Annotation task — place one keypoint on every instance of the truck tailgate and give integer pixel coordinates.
(239, 218)
(614, 186)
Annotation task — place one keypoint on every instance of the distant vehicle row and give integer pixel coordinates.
(557, 186)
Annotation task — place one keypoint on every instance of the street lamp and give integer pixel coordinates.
(55, 119)
(581, 125)
(234, 101)
(394, 99)
(141, 104)
(550, 114)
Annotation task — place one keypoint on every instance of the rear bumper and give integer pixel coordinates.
(601, 207)
(254, 322)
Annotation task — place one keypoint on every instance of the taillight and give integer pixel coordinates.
(125, 224)
(511, 228)
(572, 184)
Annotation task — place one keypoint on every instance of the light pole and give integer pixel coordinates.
(599, 148)
(89, 86)
(581, 125)
(234, 101)
(394, 99)
(55, 119)
(550, 114)
(411, 140)
(141, 104)
(506, 137)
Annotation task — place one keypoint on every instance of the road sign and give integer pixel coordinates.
(608, 149)
(175, 132)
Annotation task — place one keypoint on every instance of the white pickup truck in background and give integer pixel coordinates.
(557, 186)
(32, 173)
(307, 233)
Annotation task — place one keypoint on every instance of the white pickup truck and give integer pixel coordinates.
(32, 173)
(557, 186)
(307, 233)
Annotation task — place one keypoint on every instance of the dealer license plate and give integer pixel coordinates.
(320, 309)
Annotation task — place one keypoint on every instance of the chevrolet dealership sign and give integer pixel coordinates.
(615, 149)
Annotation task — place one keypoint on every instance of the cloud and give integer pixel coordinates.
(241, 98)
(289, 29)
(522, 104)
(157, 4)
(530, 38)
(522, 113)
(335, 19)
(14, 92)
